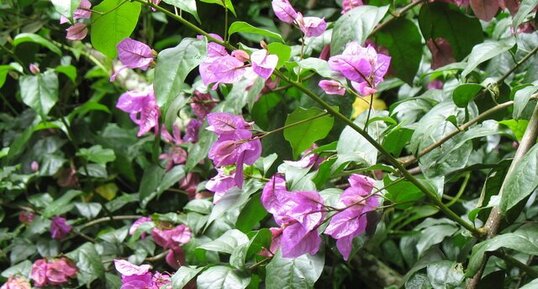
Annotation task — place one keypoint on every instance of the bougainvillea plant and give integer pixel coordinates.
(284, 144)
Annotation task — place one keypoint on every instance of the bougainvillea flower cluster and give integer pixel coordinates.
(133, 54)
(140, 277)
(16, 282)
(350, 220)
(59, 228)
(219, 66)
(310, 26)
(142, 108)
(236, 145)
(363, 66)
(52, 272)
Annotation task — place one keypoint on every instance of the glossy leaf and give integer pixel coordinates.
(227, 4)
(293, 273)
(465, 93)
(183, 275)
(244, 27)
(188, 6)
(222, 277)
(308, 130)
(38, 39)
(40, 92)
(485, 51)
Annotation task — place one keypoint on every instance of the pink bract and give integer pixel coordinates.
(142, 108)
(284, 11)
(77, 31)
(135, 54)
(332, 87)
(59, 228)
(263, 63)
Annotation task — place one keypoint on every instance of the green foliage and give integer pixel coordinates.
(305, 126)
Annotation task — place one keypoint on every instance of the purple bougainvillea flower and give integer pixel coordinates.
(284, 11)
(39, 273)
(133, 276)
(296, 240)
(172, 238)
(142, 108)
(77, 31)
(202, 104)
(59, 228)
(222, 123)
(175, 257)
(192, 130)
(83, 11)
(126, 268)
(362, 65)
(298, 213)
(221, 183)
(135, 54)
(350, 4)
(16, 282)
(356, 201)
(175, 154)
(162, 281)
(311, 26)
(240, 55)
(138, 223)
(263, 63)
(332, 87)
(222, 69)
(60, 270)
(26, 217)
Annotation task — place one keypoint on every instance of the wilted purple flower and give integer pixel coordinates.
(54, 272)
(26, 217)
(350, 4)
(59, 228)
(284, 11)
(202, 104)
(363, 66)
(220, 184)
(142, 108)
(77, 31)
(175, 155)
(34, 166)
(311, 26)
(172, 238)
(175, 257)
(276, 236)
(16, 282)
(435, 84)
(298, 213)
(193, 128)
(189, 184)
(441, 52)
(34, 68)
(332, 87)
(350, 222)
(135, 54)
(39, 273)
(263, 63)
(138, 223)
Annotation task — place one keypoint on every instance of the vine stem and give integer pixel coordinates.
(292, 125)
(518, 64)
(430, 194)
(397, 15)
(494, 219)
(106, 219)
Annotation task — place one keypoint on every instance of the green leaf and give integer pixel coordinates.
(173, 66)
(4, 70)
(222, 277)
(21, 249)
(531, 285)
(23, 268)
(113, 21)
(355, 25)
(303, 135)
(404, 42)
(89, 210)
(68, 70)
(526, 7)
(155, 181)
(250, 215)
(293, 273)
(445, 274)
(227, 242)
(517, 127)
(521, 181)
(397, 139)
(244, 27)
(402, 192)
(434, 234)
(233, 199)
(281, 50)
(522, 98)
(89, 264)
(445, 21)
(40, 92)
(227, 4)
(261, 239)
(183, 275)
(66, 7)
(524, 239)
(38, 39)
(188, 6)
(465, 93)
(485, 51)
(320, 66)
(61, 205)
(97, 154)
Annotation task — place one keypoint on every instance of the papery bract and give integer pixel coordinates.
(39, 273)
(171, 238)
(60, 270)
(284, 11)
(137, 224)
(296, 240)
(59, 228)
(162, 281)
(135, 54)
(263, 64)
(142, 108)
(202, 104)
(192, 130)
(225, 123)
(26, 217)
(441, 52)
(175, 257)
(351, 221)
(311, 26)
(220, 184)
(77, 31)
(126, 268)
(332, 87)
(16, 282)
(362, 65)
(83, 11)
(350, 4)
(274, 196)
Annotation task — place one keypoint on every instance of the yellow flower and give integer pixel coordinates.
(363, 103)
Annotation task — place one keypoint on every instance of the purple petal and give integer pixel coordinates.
(307, 208)
(296, 241)
(135, 54)
(312, 26)
(263, 63)
(344, 246)
(284, 11)
(128, 269)
(332, 87)
(78, 31)
(223, 122)
(346, 223)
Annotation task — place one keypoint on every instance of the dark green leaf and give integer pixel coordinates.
(224, 3)
(222, 277)
(244, 27)
(309, 129)
(61, 205)
(465, 93)
(250, 215)
(403, 40)
(183, 275)
(97, 154)
(293, 273)
(521, 99)
(485, 51)
(89, 264)
(355, 25)
(40, 92)
(38, 39)
(188, 6)
(113, 21)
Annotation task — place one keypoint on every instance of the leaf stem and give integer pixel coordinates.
(518, 64)
(291, 125)
(396, 15)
